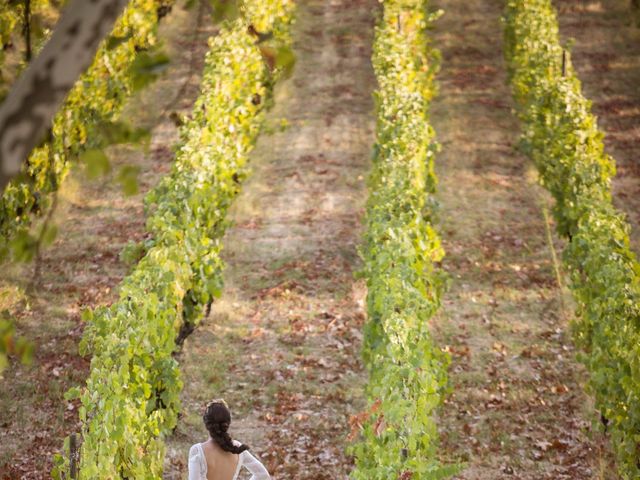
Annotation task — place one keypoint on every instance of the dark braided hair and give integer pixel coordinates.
(217, 419)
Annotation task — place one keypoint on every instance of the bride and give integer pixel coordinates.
(220, 457)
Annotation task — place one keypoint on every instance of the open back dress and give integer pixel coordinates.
(198, 464)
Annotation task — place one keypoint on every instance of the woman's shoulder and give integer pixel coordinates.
(244, 453)
(195, 450)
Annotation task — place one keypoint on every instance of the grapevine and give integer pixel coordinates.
(400, 252)
(561, 135)
(9, 19)
(12, 22)
(131, 399)
(86, 124)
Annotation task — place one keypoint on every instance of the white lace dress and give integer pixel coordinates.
(198, 464)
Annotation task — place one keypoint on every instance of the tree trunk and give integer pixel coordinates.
(36, 96)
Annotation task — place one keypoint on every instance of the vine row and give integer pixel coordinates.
(561, 135)
(85, 124)
(407, 372)
(131, 398)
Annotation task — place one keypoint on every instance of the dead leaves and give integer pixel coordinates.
(303, 349)
(283, 290)
(499, 349)
(458, 350)
(559, 389)
(555, 444)
(357, 420)
(532, 351)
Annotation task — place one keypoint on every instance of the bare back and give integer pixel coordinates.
(221, 465)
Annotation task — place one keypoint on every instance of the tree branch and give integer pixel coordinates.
(36, 96)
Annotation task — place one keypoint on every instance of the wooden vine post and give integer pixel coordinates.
(73, 457)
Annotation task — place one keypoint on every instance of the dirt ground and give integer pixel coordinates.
(282, 344)
(517, 409)
(82, 268)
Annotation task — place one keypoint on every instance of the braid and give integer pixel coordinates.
(223, 439)
(217, 419)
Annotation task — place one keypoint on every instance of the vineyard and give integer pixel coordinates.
(398, 237)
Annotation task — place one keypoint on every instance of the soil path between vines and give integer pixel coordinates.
(282, 344)
(517, 409)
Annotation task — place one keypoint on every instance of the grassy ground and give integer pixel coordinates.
(82, 268)
(282, 344)
(517, 409)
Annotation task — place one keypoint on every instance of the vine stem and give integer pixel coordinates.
(27, 31)
(554, 257)
(38, 256)
(45, 224)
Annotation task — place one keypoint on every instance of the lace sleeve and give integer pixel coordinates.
(258, 472)
(196, 471)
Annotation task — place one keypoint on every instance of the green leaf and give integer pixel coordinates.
(72, 394)
(25, 349)
(133, 252)
(119, 132)
(50, 233)
(222, 10)
(86, 315)
(96, 163)
(147, 67)
(115, 41)
(214, 288)
(24, 246)
(285, 60)
(128, 178)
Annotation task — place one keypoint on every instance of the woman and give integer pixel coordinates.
(220, 457)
